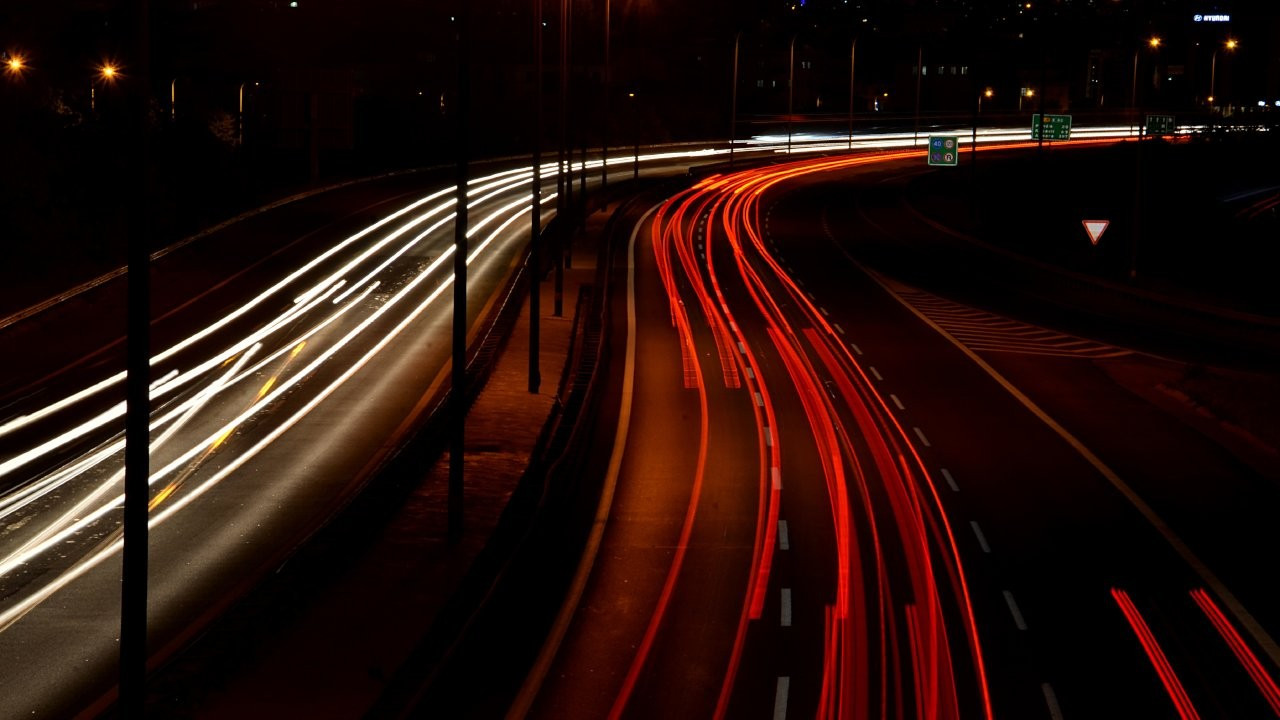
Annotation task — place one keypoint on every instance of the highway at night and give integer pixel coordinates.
(258, 435)
(640, 359)
(836, 494)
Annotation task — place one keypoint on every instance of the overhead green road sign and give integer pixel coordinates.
(944, 150)
(1161, 125)
(1053, 127)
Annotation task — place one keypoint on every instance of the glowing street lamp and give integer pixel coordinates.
(985, 94)
(1230, 45)
(108, 72)
(15, 64)
(1154, 44)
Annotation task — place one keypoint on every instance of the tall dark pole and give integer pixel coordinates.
(457, 390)
(791, 89)
(733, 101)
(1133, 93)
(604, 121)
(853, 57)
(562, 183)
(535, 230)
(137, 460)
(1044, 79)
(915, 135)
(566, 238)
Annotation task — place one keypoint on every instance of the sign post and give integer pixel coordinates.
(1052, 127)
(944, 150)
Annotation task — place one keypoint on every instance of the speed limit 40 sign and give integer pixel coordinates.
(944, 150)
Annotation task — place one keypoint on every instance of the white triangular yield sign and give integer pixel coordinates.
(1095, 228)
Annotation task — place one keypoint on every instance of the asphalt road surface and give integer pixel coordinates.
(841, 494)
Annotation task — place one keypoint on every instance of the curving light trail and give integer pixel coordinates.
(900, 627)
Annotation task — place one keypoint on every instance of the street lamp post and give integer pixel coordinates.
(535, 230)
(107, 73)
(1153, 43)
(635, 172)
(1229, 45)
(733, 98)
(853, 55)
(1136, 234)
(791, 90)
(604, 127)
(915, 133)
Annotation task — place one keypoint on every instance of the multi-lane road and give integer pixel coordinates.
(837, 493)
(826, 503)
(292, 351)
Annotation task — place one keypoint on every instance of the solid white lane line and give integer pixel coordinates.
(923, 439)
(982, 539)
(786, 607)
(897, 402)
(1051, 699)
(1013, 609)
(875, 372)
(780, 698)
(950, 480)
(784, 540)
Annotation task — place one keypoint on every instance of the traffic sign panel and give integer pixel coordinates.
(1161, 125)
(1053, 127)
(944, 150)
(1095, 228)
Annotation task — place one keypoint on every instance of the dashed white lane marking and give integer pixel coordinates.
(950, 480)
(811, 296)
(923, 439)
(742, 348)
(875, 372)
(824, 312)
(784, 539)
(776, 476)
(1051, 699)
(897, 402)
(981, 330)
(768, 436)
(1013, 609)
(780, 698)
(855, 348)
(786, 607)
(751, 373)
(759, 399)
(982, 539)
(838, 328)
